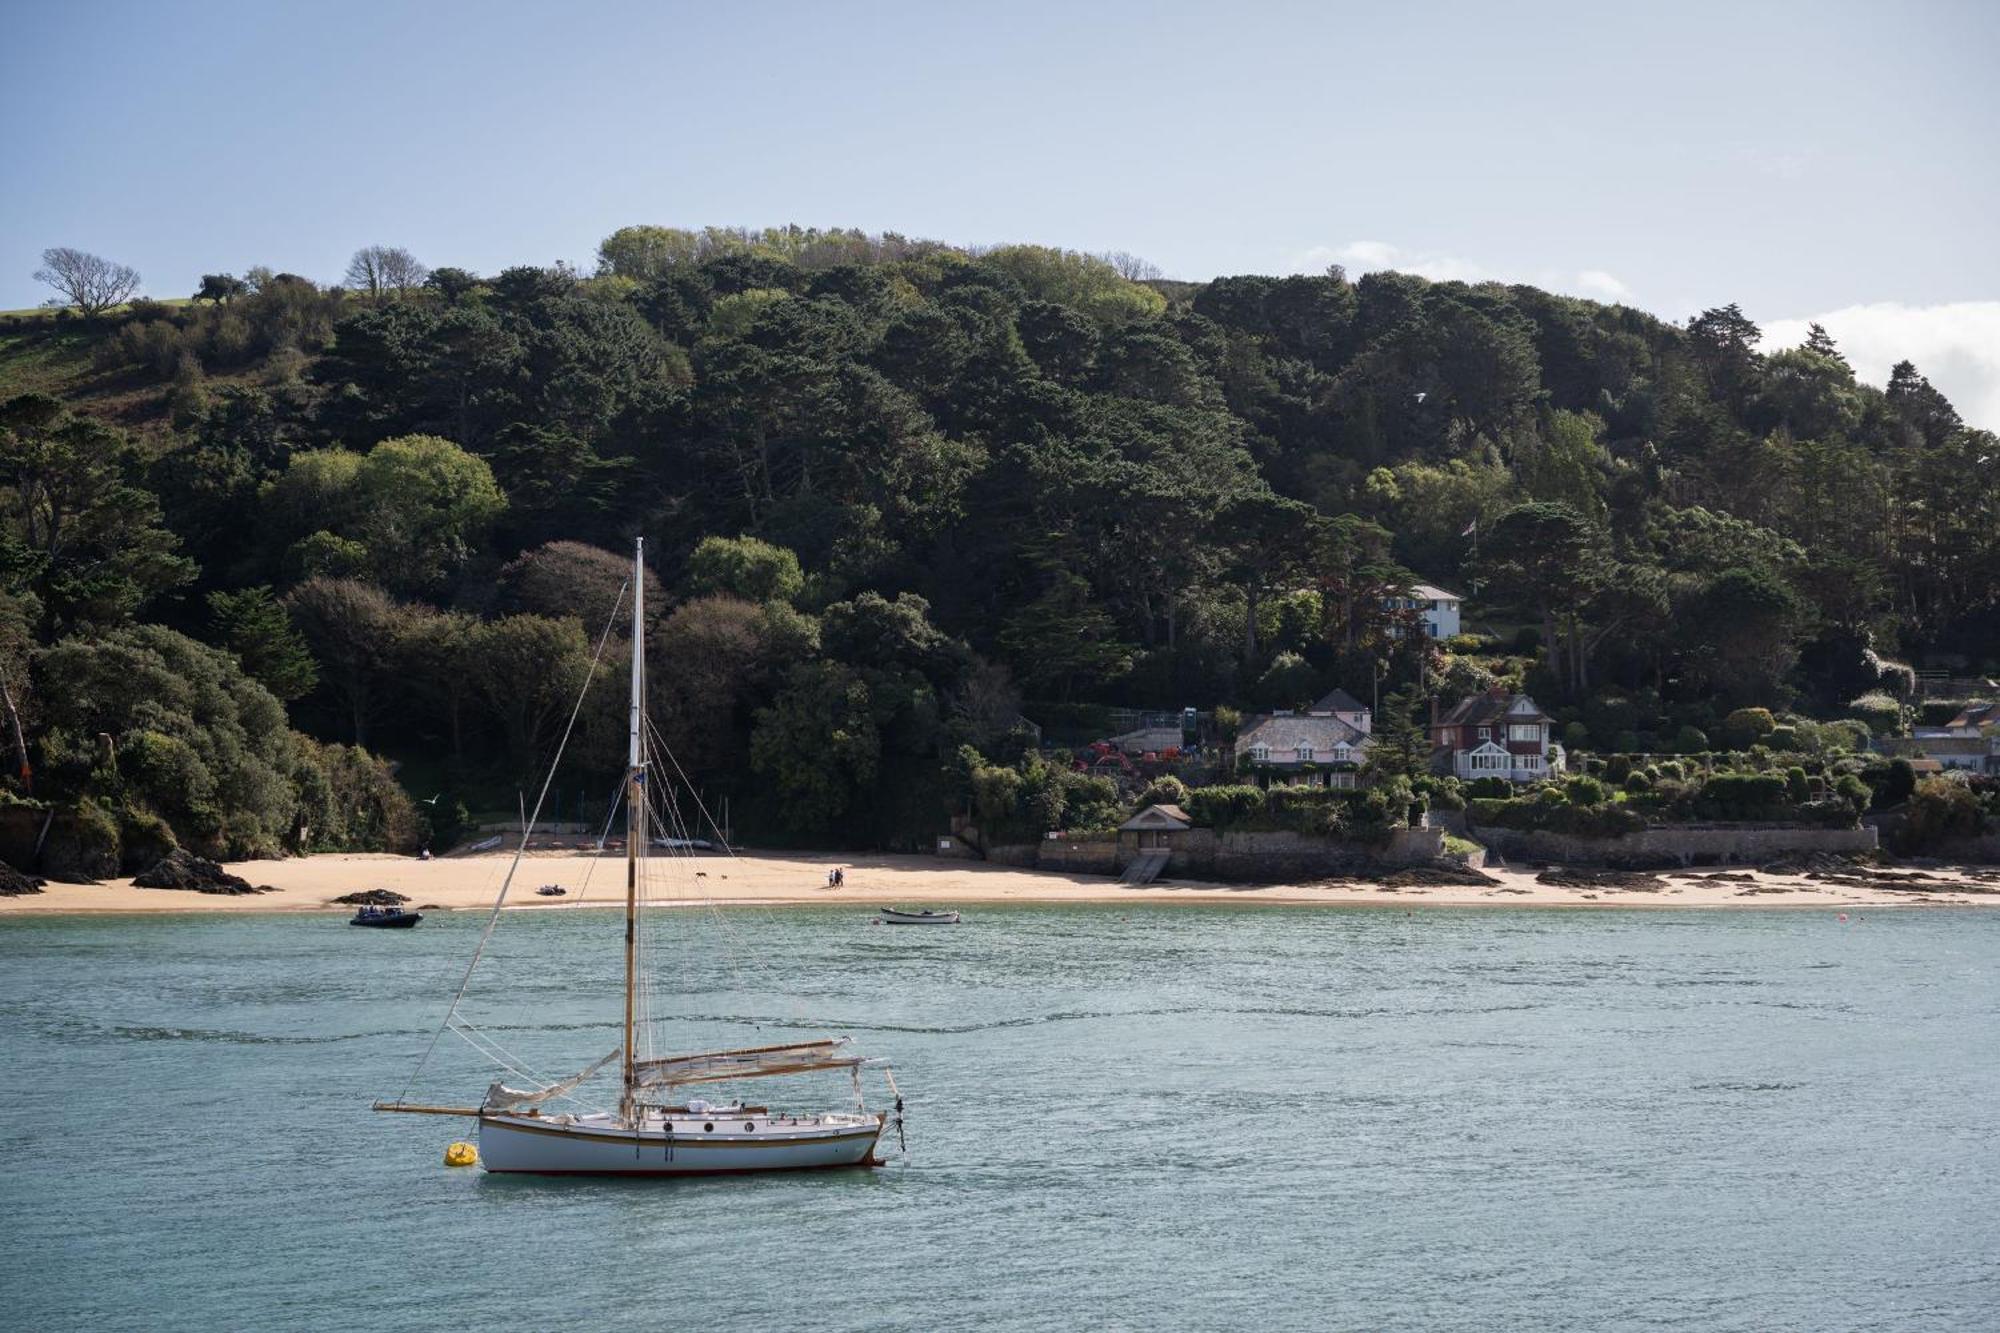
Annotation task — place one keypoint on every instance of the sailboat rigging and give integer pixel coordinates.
(657, 1129)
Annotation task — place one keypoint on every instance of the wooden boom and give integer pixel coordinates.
(424, 1110)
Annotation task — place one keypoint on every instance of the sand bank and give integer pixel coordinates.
(470, 882)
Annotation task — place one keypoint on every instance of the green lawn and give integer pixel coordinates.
(49, 316)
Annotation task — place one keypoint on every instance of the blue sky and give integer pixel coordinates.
(1825, 161)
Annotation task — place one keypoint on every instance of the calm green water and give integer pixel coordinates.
(1208, 1118)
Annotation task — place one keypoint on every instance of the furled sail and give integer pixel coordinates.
(500, 1097)
(748, 1062)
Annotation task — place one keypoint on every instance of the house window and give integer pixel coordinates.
(1486, 733)
(1524, 731)
(1431, 627)
(1305, 754)
(1260, 752)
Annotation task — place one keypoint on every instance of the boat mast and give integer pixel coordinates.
(635, 814)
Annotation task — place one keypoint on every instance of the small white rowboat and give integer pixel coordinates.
(893, 917)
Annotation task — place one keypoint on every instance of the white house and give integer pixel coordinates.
(1316, 746)
(1436, 609)
(1341, 705)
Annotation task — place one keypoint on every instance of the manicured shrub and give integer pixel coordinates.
(1442, 792)
(1584, 791)
(1691, 740)
(1744, 796)
(1225, 807)
(1746, 726)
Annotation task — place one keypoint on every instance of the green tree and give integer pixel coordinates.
(1548, 557)
(353, 629)
(1744, 630)
(1063, 637)
(194, 741)
(438, 656)
(744, 567)
(818, 744)
(529, 670)
(93, 548)
(221, 288)
(647, 252)
(1400, 746)
(425, 507)
(252, 624)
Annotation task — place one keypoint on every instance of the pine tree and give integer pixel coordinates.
(1401, 747)
(253, 625)
(1820, 341)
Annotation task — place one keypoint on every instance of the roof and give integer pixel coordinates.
(1170, 817)
(1430, 592)
(1339, 701)
(1489, 709)
(1934, 745)
(1149, 738)
(1943, 745)
(1288, 733)
(1977, 715)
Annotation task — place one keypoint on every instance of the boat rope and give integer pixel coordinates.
(735, 947)
(521, 852)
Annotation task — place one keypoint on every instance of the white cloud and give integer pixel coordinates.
(1596, 282)
(1956, 346)
(1367, 256)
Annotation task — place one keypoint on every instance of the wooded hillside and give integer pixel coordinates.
(900, 494)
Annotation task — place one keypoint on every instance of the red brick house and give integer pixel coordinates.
(1496, 735)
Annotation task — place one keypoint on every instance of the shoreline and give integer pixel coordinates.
(469, 883)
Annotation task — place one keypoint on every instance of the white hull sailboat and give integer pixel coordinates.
(655, 1128)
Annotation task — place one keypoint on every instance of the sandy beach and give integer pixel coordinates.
(310, 884)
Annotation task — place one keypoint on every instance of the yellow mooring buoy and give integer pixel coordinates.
(461, 1154)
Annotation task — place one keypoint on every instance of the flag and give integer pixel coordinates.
(1470, 528)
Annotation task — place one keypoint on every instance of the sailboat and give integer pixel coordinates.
(656, 1128)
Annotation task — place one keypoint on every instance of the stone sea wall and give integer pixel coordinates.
(1984, 849)
(1667, 847)
(1271, 857)
(1082, 854)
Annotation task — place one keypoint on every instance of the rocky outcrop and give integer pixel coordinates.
(373, 898)
(182, 869)
(14, 884)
